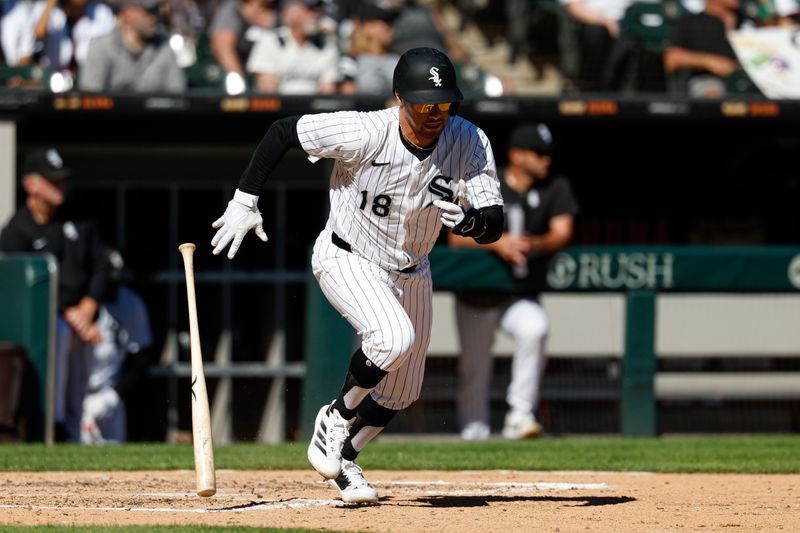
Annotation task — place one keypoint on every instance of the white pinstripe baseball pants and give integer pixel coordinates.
(391, 311)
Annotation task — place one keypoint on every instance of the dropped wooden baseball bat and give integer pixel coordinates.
(201, 417)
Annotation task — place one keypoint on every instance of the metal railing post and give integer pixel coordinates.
(639, 365)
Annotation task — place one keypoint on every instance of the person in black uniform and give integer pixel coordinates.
(83, 278)
(539, 212)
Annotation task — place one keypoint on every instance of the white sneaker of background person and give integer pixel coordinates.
(476, 431)
(521, 425)
(325, 448)
(352, 485)
(96, 407)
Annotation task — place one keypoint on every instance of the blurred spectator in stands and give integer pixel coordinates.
(422, 26)
(187, 23)
(296, 58)
(343, 13)
(539, 211)
(787, 12)
(418, 25)
(236, 27)
(763, 13)
(519, 14)
(83, 278)
(757, 12)
(17, 32)
(588, 35)
(66, 27)
(699, 60)
(118, 364)
(134, 57)
(191, 18)
(369, 64)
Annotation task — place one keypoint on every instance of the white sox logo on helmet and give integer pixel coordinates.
(434, 71)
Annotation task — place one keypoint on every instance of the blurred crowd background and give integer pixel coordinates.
(512, 47)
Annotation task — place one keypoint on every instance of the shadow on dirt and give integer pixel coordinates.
(480, 501)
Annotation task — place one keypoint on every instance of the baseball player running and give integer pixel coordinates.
(395, 181)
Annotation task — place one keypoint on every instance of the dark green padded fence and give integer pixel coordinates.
(28, 285)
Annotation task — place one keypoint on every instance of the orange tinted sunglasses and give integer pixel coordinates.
(427, 108)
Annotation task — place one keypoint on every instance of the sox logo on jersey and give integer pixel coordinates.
(440, 186)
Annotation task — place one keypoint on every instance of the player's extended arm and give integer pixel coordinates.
(242, 213)
(556, 238)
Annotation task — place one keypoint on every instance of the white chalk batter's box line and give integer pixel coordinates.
(295, 504)
(480, 488)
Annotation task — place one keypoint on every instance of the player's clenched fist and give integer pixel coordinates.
(240, 216)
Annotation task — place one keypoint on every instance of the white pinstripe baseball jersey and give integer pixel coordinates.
(381, 195)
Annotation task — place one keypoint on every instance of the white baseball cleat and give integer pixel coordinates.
(325, 448)
(521, 425)
(476, 431)
(352, 485)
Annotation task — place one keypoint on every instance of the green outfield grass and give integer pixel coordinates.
(742, 454)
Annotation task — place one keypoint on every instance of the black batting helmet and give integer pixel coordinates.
(426, 76)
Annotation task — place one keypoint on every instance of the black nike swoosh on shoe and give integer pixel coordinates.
(376, 164)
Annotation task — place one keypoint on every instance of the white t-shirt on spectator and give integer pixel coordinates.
(17, 30)
(610, 9)
(98, 20)
(300, 67)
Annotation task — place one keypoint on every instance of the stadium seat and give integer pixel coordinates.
(648, 26)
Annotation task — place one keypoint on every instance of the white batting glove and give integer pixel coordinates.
(451, 214)
(241, 216)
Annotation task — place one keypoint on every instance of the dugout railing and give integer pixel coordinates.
(224, 364)
(679, 283)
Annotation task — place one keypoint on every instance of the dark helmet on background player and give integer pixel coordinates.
(426, 76)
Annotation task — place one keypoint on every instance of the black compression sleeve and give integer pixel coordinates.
(485, 225)
(281, 136)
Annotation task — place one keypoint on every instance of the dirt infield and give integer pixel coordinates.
(460, 502)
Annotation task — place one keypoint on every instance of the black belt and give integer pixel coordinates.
(344, 245)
